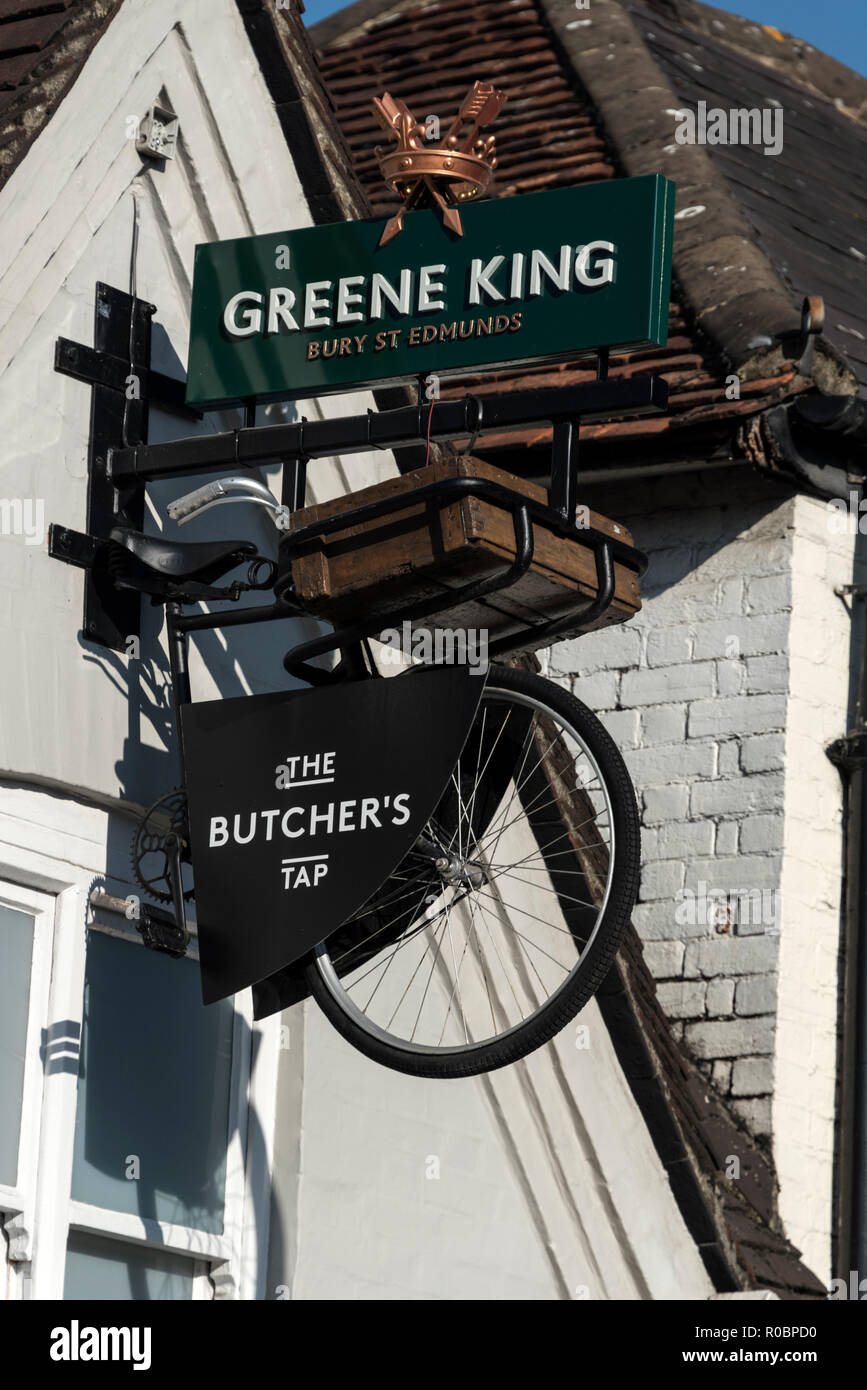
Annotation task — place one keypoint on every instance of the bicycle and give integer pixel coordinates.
(506, 913)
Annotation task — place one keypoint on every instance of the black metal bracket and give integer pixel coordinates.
(74, 547)
(563, 492)
(388, 429)
(301, 441)
(121, 462)
(850, 750)
(96, 368)
(118, 370)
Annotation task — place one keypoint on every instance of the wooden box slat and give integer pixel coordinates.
(430, 548)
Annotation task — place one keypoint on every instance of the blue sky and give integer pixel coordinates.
(838, 27)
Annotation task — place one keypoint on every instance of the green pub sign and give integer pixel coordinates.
(539, 278)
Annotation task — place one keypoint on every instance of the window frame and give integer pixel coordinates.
(213, 1250)
(232, 1265)
(17, 1203)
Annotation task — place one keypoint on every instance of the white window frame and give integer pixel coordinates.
(220, 1253)
(232, 1265)
(17, 1203)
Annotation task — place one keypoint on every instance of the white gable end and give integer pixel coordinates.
(85, 207)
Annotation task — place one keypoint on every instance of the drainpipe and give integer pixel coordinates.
(850, 755)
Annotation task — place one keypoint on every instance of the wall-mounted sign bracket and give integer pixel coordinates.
(121, 462)
(118, 370)
(122, 565)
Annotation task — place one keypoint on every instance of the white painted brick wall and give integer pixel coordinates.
(705, 668)
(804, 1095)
(729, 684)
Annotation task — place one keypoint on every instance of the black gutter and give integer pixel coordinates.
(821, 440)
(850, 755)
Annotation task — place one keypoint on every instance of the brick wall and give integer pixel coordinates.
(694, 692)
(722, 702)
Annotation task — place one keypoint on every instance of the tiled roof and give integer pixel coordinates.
(807, 204)
(774, 49)
(547, 136)
(42, 50)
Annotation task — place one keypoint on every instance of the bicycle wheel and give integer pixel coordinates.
(504, 918)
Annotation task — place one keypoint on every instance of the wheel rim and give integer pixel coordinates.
(497, 901)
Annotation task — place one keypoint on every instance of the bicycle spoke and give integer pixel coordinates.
(472, 905)
(414, 973)
(409, 935)
(478, 760)
(512, 908)
(506, 974)
(527, 811)
(386, 927)
(529, 958)
(545, 888)
(427, 986)
(517, 785)
(531, 942)
(567, 834)
(457, 986)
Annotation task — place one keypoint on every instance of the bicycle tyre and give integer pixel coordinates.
(594, 962)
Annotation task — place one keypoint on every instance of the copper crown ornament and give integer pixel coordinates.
(453, 170)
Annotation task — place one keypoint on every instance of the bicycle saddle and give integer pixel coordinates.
(203, 561)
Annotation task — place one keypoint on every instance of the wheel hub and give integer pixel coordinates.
(461, 873)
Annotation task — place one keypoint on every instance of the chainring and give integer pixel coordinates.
(149, 850)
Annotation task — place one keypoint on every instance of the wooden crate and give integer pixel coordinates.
(429, 548)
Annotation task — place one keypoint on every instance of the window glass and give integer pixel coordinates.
(97, 1268)
(153, 1093)
(16, 954)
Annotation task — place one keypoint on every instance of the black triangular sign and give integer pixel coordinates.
(303, 803)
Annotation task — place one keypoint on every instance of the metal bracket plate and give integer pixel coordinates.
(118, 369)
(849, 750)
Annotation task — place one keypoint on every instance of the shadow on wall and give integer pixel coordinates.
(154, 1119)
(155, 1113)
